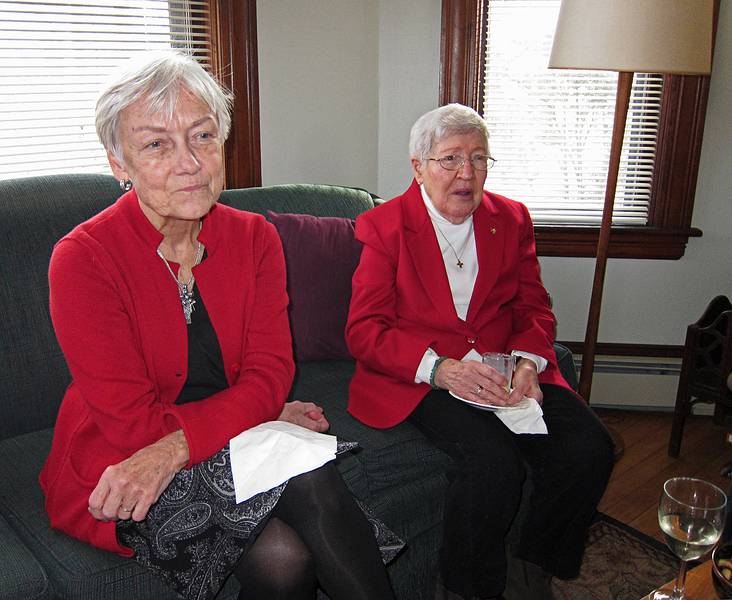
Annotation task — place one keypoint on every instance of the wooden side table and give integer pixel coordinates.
(699, 584)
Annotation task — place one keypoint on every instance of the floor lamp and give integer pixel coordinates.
(627, 36)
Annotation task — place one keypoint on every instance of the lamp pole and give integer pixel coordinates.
(622, 100)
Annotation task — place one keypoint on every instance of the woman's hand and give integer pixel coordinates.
(128, 489)
(305, 414)
(526, 382)
(473, 381)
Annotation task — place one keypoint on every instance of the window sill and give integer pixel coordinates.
(625, 242)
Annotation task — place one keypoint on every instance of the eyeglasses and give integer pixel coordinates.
(453, 162)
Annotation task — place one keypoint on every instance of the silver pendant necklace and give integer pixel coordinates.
(185, 290)
(458, 256)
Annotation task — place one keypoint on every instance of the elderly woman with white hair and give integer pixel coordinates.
(449, 272)
(171, 311)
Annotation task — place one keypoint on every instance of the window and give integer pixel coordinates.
(662, 144)
(54, 57)
(555, 158)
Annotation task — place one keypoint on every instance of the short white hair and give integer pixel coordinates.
(444, 121)
(159, 77)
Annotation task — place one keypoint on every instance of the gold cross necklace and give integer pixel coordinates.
(458, 255)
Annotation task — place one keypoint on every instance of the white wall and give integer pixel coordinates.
(318, 91)
(341, 83)
(409, 70)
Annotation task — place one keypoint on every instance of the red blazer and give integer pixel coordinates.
(118, 319)
(402, 304)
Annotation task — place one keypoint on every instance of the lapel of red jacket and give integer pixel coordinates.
(425, 252)
(489, 243)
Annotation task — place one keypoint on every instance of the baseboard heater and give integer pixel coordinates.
(633, 366)
(637, 383)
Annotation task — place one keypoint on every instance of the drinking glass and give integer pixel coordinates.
(691, 515)
(503, 363)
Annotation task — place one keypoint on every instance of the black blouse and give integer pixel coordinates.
(205, 364)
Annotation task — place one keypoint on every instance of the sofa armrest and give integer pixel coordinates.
(21, 575)
(565, 360)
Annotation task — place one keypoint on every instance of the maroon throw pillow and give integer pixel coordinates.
(321, 254)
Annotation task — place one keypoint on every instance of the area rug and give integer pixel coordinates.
(620, 563)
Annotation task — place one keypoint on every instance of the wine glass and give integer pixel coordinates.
(691, 514)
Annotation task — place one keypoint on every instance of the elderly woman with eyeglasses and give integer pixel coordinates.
(449, 272)
(171, 311)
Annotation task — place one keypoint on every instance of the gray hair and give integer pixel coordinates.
(158, 76)
(444, 121)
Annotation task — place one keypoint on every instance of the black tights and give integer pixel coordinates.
(315, 535)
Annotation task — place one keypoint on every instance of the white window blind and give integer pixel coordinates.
(551, 129)
(54, 57)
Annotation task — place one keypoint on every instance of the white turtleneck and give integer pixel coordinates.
(457, 244)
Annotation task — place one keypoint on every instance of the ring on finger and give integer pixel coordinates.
(127, 510)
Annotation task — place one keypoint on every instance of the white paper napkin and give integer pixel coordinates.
(271, 453)
(524, 420)
(521, 420)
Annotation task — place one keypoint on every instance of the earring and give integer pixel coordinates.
(125, 185)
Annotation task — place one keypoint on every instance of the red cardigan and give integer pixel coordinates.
(402, 303)
(118, 319)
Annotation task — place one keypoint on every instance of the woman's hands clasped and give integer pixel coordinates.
(480, 383)
(305, 414)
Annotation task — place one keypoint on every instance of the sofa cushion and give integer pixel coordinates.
(321, 254)
(397, 472)
(20, 576)
(390, 457)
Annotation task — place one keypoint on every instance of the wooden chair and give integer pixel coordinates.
(705, 368)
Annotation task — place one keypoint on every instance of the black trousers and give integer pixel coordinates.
(570, 468)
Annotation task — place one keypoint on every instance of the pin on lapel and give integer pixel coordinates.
(493, 230)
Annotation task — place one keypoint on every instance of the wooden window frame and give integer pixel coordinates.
(234, 61)
(683, 109)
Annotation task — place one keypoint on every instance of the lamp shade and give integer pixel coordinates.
(646, 36)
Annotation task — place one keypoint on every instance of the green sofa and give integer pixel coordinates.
(397, 472)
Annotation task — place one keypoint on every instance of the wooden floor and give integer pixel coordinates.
(634, 489)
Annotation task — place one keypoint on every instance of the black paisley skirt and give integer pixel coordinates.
(195, 533)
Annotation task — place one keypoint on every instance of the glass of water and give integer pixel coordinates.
(691, 514)
(503, 363)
